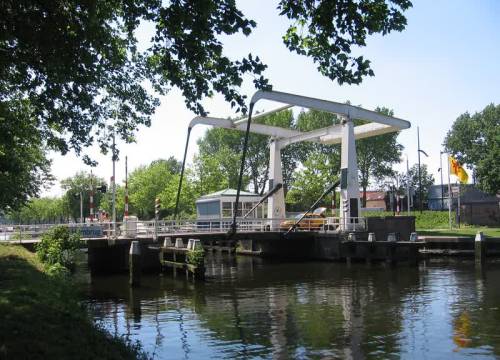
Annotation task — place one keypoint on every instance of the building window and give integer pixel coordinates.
(247, 206)
(260, 211)
(227, 209)
(240, 208)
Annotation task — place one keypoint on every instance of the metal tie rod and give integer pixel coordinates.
(271, 192)
(327, 191)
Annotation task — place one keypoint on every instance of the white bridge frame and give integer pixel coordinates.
(344, 133)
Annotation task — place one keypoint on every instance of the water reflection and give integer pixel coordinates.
(250, 308)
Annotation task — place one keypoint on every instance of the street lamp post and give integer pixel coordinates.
(419, 173)
(441, 173)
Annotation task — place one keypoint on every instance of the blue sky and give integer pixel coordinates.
(445, 62)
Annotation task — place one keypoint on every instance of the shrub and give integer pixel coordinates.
(58, 248)
(57, 270)
(196, 257)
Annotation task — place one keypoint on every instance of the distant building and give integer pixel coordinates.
(434, 197)
(476, 206)
(220, 205)
(375, 200)
(479, 208)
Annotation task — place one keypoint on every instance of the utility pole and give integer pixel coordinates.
(419, 175)
(91, 198)
(449, 193)
(126, 189)
(419, 172)
(113, 182)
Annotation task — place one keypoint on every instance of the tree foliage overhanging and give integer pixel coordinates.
(79, 67)
(78, 62)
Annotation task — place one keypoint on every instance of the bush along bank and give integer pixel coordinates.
(40, 313)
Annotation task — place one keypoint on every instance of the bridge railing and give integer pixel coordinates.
(163, 227)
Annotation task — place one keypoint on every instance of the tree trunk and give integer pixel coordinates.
(364, 196)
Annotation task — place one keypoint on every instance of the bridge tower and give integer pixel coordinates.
(349, 186)
(275, 203)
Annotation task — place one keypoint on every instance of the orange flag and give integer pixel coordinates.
(457, 170)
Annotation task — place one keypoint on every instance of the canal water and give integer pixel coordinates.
(251, 308)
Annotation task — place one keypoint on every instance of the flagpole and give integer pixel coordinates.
(449, 193)
(458, 204)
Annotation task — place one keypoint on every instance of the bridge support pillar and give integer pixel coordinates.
(276, 203)
(349, 186)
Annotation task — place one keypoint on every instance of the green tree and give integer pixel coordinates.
(376, 155)
(189, 194)
(317, 174)
(40, 210)
(156, 180)
(78, 66)
(327, 30)
(78, 184)
(24, 167)
(218, 162)
(475, 141)
(427, 181)
(320, 163)
(106, 203)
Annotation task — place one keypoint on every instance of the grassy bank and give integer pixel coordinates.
(436, 223)
(40, 317)
(463, 231)
(425, 220)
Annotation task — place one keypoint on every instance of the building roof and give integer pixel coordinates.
(227, 192)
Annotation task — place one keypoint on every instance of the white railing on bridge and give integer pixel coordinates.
(136, 228)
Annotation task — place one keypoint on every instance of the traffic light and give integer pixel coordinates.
(345, 205)
(157, 207)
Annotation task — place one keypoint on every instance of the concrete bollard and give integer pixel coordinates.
(351, 237)
(167, 242)
(194, 244)
(179, 243)
(371, 237)
(480, 248)
(391, 237)
(197, 244)
(135, 263)
(413, 237)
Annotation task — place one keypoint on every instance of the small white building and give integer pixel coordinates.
(220, 205)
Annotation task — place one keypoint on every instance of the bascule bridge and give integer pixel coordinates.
(345, 133)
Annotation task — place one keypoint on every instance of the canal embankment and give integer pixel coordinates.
(42, 317)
